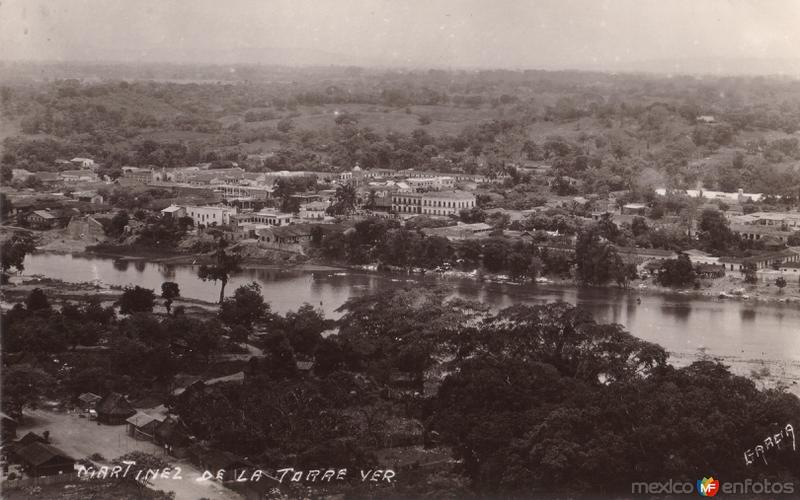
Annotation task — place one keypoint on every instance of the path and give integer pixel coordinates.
(81, 437)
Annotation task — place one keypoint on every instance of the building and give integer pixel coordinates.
(438, 183)
(20, 174)
(781, 220)
(72, 176)
(83, 162)
(756, 232)
(441, 203)
(314, 210)
(634, 209)
(764, 261)
(88, 401)
(210, 215)
(172, 435)
(47, 177)
(40, 459)
(288, 238)
(268, 217)
(460, 231)
(142, 426)
(137, 175)
(174, 212)
(49, 219)
(632, 255)
(241, 191)
(738, 197)
(88, 197)
(114, 409)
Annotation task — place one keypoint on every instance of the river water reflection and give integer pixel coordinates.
(744, 334)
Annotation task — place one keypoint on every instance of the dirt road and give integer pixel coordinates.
(81, 437)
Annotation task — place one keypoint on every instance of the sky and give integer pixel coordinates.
(548, 34)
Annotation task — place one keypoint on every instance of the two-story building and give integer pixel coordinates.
(442, 203)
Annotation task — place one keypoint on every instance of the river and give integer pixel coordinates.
(745, 335)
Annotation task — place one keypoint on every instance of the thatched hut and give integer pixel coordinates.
(114, 409)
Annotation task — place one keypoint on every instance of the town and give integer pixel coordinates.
(227, 277)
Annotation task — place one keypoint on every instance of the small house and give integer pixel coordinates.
(40, 459)
(114, 409)
(88, 401)
(172, 435)
(142, 426)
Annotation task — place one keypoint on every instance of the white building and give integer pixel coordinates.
(441, 203)
(210, 215)
(314, 210)
(427, 183)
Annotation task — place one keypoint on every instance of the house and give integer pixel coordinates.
(173, 437)
(632, 255)
(20, 174)
(114, 409)
(88, 401)
(88, 197)
(700, 257)
(137, 175)
(49, 219)
(763, 261)
(709, 271)
(71, 176)
(48, 177)
(210, 215)
(757, 232)
(174, 212)
(289, 238)
(142, 426)
(706, 119)
(83, 162)
(634, 209)
(40, 459)
(314, 210)
(268, 217)
(305, 368)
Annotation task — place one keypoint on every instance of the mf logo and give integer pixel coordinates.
(707, 487)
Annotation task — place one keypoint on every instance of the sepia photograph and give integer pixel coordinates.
(399, 249)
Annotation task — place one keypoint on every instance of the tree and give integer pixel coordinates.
(37, 300)
(169, 291)
(597, 260)
(750, 271)
(245, 307)
(780, 282)
(14, 250)
(5, 207)
(345, 200)
(136, 299)
(22, 386)
(676, 272)
(713, 231)
(225, 264)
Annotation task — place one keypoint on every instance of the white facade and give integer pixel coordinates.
(210, 216)
(436, 203)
